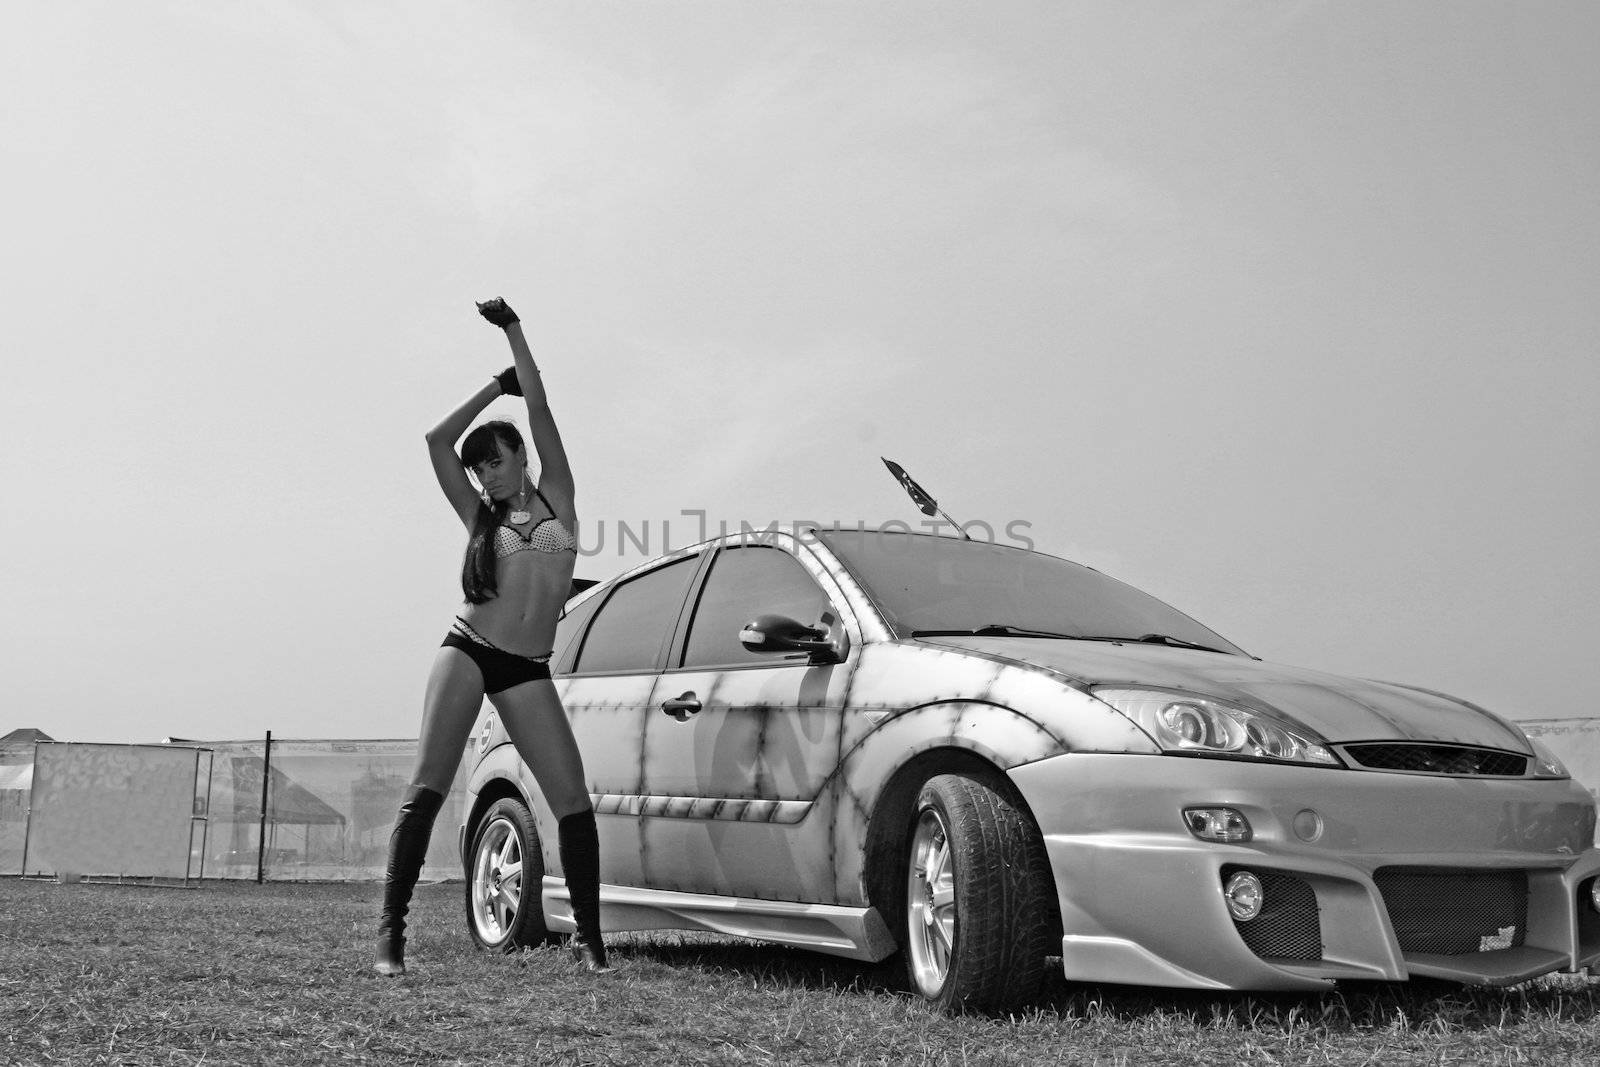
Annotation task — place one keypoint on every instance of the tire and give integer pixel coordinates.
(505, 874)
(978, 893)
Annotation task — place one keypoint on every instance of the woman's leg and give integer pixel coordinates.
(455, 693)
(538, 726)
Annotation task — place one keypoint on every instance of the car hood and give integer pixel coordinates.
(1339, 709)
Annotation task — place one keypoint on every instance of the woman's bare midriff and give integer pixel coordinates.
(522, 617)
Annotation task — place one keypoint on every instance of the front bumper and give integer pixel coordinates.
(1142, 902)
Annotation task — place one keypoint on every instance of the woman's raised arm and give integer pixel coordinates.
(555, 473)
(458, 488)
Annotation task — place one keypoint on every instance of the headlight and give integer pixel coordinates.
(1182, 722)
(1545, 762)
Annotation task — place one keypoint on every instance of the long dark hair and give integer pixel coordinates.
(478, 582)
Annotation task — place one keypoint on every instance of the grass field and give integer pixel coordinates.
(278, 974)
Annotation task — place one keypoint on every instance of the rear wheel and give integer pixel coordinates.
(977, 897)
(505, 874)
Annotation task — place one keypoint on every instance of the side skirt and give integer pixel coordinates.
(855, 933)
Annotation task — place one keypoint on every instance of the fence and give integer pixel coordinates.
(292, 810)
(1576, 742)
(16, 784)
(328, 806)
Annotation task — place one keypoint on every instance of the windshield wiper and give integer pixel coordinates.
(1175, 642)
(999, 629)
(1152, 639)
(993, 629)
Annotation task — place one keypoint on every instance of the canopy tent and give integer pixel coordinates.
(25, 736)
(235, 813)
(16, 750)
(238, 794)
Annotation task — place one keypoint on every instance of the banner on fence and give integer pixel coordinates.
(127, 811)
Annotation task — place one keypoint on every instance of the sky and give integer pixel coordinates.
(1283, 312)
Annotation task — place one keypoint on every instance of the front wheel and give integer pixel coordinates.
(977, 898)
(505, 873)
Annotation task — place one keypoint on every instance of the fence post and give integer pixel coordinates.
(261, 844)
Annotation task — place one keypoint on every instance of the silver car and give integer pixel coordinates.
(866, 742)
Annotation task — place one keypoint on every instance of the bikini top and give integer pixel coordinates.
(549, 535)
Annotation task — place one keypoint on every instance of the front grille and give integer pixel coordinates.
(1438, 759)
(1289, 926)
(1455, 912)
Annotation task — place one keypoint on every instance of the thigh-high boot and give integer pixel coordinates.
(408, 847)
(580, 859)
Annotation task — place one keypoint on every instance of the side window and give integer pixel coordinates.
(637, 620)
(568, 628)
(745, 582)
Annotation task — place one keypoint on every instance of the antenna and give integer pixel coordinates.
(919, 496)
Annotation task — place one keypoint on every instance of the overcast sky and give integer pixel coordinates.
(1284, 312)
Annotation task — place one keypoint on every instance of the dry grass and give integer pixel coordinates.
(236, 973)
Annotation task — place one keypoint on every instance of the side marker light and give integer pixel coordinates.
(1227, 825)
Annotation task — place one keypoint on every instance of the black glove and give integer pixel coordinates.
(508, 381)
(498, 312)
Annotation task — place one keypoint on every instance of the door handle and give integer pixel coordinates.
(681, 708)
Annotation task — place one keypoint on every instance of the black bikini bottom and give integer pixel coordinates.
(500, 669)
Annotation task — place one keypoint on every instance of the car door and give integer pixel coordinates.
(733, 784)
(605, 674)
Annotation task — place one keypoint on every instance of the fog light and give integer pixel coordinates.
(1594, 894)
(1217, 824)
(1244, 896)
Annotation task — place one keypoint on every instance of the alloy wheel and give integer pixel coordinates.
(931, 903)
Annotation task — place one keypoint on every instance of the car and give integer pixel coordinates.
(874, 741)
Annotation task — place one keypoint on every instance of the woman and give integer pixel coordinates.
(516, 576)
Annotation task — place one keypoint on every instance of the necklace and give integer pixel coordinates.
(521, 514)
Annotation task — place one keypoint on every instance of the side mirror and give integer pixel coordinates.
(779, 633)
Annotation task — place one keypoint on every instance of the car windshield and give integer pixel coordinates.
(927, 585)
